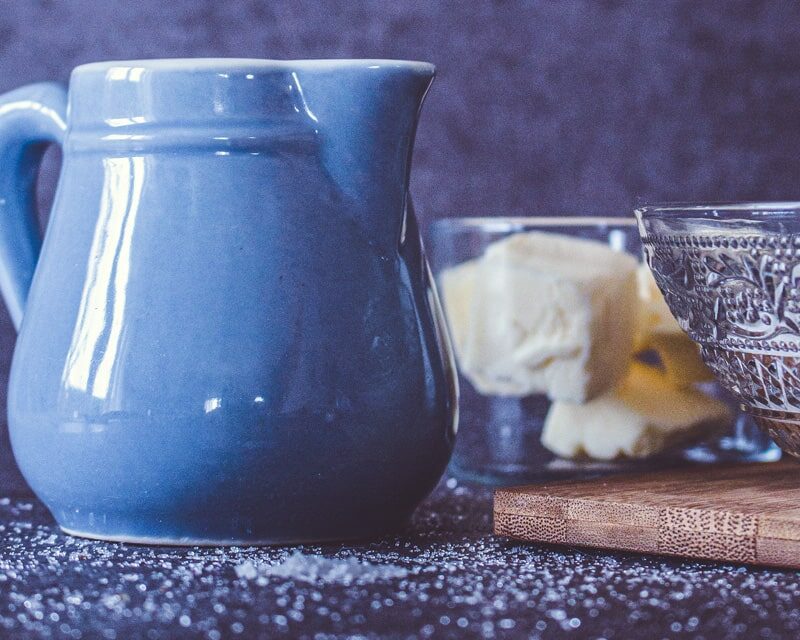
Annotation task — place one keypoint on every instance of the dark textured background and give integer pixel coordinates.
(541, 107)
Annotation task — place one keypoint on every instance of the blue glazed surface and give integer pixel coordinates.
(231, 335)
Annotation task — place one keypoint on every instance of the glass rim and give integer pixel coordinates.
(500, 223)
(719, 210)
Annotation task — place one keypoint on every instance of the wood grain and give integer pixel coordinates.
(746, 513)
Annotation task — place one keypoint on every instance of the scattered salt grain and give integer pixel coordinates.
(446, 576)
(246, 570)
(315, 568)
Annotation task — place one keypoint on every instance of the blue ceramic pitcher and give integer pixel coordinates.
(230, 334)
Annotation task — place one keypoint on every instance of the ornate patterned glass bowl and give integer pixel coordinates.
(731, 276)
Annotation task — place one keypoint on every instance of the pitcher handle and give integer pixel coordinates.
(31, 118)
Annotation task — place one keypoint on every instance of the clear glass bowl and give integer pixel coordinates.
(499, 436)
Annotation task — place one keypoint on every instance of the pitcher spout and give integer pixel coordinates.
(367, 113)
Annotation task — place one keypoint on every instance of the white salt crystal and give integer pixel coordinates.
(246, 570)
(314, 568)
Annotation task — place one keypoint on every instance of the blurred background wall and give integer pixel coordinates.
(540, 107)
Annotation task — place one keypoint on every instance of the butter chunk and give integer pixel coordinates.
(543, 313)
(644, 416)
(679, 359)
(655, 317)
(660, 333)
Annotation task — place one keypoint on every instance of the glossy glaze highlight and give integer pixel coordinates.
(232, 334)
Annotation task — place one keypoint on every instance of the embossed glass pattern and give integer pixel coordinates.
(731, 276)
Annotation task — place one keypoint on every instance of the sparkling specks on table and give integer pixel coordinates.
(446, 577)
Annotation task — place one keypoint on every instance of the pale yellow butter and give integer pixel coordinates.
(655, 317)
(543, 313)
(660, 333)
(643, 416)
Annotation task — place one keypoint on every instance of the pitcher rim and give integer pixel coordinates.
(222, 64)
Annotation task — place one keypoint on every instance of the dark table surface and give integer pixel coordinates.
(445, 576)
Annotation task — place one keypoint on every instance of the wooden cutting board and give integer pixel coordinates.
(739, 513)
